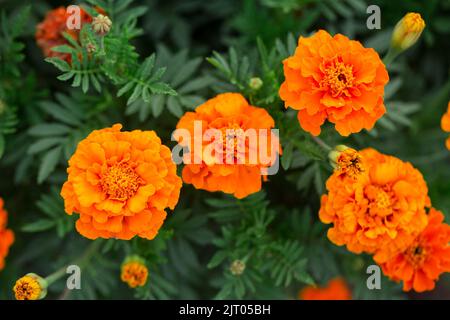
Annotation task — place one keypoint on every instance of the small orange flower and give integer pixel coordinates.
(134, 272)
(381, 211)
(445, 124)
(420, 265)
(30, 287)
(120, 184)
(229, 112)
(6, 235)
(334, 79)
(336, 289)
(49, 33)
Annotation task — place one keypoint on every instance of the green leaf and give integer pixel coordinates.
(48, 164)
(217, 259)
(59, 63)
(40, 225)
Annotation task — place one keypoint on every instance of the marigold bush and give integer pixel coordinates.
(256, 149)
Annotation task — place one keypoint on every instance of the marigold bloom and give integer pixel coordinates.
(445, 124)
(420, 265)
(381, 211)
(49, 33)
(346, 161)
(334, 79)
(229, 112)
(336, 289)
(120, 184)
(6, 235)
(134, 272)
(30, 287)
(407, 31)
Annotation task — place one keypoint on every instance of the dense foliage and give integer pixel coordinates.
(163, 58)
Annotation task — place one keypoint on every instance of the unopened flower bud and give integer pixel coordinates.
(255, 83)
(91, 48)
(101, 24)
(237, 267)
(407, 31)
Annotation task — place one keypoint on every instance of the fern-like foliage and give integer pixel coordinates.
(247, 238)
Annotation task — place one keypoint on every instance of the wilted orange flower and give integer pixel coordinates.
(229, 112)
(346, 161)
(381, 211)
(6, 235)
(134, 272)
(336, 289)
(445, 124)
(49, 33)
(420, 265)
(334, 79)
(120, 183)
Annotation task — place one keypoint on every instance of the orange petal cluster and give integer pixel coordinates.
(421, 263)
(227, 111)
(445, 124)
(334, 79)
(49, 33)
(336, 289)
(134, 273)
(6, 235)
(120, 183)
(379, 212)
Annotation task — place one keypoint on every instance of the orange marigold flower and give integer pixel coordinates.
(381, 211)
(334, 79)
(6, 235)
(30, 287)
(134, 272)
(420, 265)
(229, 112)
(49, 33)
(336, 289)
(445, 124)
(120, 184)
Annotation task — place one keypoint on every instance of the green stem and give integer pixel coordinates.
(55, 275)
(322, 143)
(390, 56)
(81, 262)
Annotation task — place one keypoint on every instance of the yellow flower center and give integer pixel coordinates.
(120, 181)
(134, 273)
(27, 288)
(232, 139)
(383, 200)
(380, 202)
(416, 255)
(338, 77)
